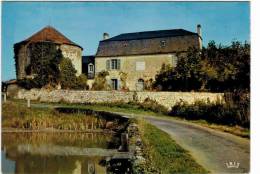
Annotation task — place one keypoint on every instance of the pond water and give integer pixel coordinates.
(56, 153)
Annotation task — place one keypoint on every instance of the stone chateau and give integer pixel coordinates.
(139, 56)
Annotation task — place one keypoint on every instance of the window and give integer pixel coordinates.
(114, 84)
(113, 64)
(140, 66)
(163, 43)
(90, 68)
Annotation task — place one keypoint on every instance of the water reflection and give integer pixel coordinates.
(54, 153)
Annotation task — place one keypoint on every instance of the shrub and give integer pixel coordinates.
(228, 113)
(152, 105)
(81, 82)
(100, 82)
(147, 105)
(68, 74)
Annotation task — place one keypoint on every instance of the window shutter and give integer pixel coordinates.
(110, 83)
(118, 84)
(118, 64)
(108, 64)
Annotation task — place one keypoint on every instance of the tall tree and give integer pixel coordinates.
(215, 68)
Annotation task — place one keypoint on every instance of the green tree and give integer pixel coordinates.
(100, 82)
(68, 77)
(186, 76)
(232, 66)
(215, 68)
(81, 82)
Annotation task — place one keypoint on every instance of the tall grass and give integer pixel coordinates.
(18, 116)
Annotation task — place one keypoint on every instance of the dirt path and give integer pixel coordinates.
(212, 149)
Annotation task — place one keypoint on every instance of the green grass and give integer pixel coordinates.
(163, 154)
(235, 130)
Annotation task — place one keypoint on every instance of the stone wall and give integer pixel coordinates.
(23, 61)
(167, 99)
(73, 96)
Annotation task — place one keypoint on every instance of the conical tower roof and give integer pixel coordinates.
(49, 34)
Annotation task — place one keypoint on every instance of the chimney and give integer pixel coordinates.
(105, 36)
(199, 29)
(200, 37)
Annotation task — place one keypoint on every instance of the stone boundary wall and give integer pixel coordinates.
(167, 99)
(75, 96)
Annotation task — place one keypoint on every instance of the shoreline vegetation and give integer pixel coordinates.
(16, 117)
(146, 109)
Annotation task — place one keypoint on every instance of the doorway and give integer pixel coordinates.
(114, 84)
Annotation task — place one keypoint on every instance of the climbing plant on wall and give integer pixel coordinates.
(44, 64)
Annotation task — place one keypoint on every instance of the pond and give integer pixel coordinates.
(63, 152)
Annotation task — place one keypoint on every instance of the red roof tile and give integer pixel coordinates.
(50, 34)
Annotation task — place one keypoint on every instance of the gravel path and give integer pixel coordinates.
(212, 149)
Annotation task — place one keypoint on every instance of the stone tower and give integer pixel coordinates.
(48, 34)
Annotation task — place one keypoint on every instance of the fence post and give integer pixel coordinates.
(4, 97)
(28, 103)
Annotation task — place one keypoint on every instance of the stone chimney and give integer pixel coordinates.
(105, 36)
(199, 29)
(200, 37)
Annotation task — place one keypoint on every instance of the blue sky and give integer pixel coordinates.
(85, 22)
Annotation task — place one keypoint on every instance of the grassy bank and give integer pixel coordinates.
(128, 109)
(17, 115)
(162, 153)
(145, 109)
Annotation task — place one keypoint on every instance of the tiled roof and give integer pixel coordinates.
(150, 35)
(148, 42)
(49, 33)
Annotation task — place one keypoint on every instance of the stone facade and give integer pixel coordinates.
(22, 62)
(140, 55)
(143, 67)
(167, 99)
(74, 54)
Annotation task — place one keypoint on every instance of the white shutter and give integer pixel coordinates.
(108, 64)
(119, 84)
(118, 64)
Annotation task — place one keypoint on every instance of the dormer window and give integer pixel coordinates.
(90, 68)
(163, 43)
